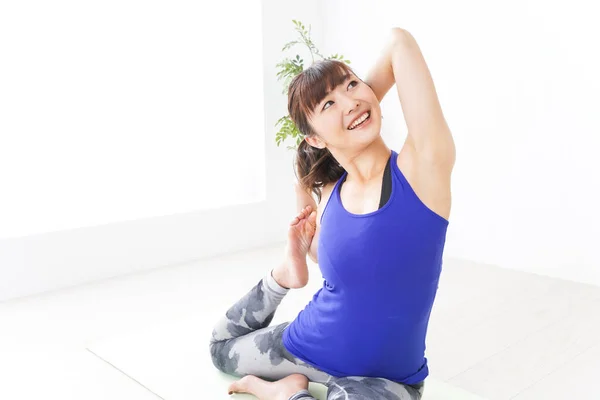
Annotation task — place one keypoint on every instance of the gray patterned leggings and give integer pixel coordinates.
(243, 343)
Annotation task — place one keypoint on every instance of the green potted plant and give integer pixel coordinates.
(288, 69)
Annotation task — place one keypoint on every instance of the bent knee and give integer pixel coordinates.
(222, 357)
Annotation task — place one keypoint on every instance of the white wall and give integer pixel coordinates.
(52, 260)
(114, 112)
(519, 83)
(517, 87)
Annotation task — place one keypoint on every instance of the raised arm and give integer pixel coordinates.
(381, 75)
(402, 63)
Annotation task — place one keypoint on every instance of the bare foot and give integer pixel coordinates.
(282, 389)
(293, 271)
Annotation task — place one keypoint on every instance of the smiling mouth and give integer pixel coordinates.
(362, 123)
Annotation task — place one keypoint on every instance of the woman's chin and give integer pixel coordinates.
(368, 130)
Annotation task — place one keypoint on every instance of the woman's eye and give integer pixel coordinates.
(324, 107)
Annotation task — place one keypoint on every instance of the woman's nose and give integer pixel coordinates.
(353, 105)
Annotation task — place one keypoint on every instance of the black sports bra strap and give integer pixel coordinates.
(386, 188)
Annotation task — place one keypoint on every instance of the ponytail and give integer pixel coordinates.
(316, 168)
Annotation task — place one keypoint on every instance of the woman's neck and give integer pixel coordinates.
(369, 164)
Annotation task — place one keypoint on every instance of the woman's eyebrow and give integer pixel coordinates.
(344, 79)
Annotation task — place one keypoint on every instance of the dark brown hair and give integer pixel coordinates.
(315, 167)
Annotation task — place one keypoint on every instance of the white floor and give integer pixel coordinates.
(495, 333)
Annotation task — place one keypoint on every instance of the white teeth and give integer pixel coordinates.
(359, 120)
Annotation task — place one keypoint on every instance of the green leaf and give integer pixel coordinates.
(289, 44)
(287, 69)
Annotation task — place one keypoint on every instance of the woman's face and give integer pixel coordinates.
(333, 118)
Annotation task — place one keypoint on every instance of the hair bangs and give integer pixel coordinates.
(319, 80)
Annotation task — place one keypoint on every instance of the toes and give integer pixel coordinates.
(306, 210)
(248, 384)
(311, 222)
(232, 388)
(297, 219)
(303, 214)
(236, 387)
(312, 218)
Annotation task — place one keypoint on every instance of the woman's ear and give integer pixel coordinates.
(314, 141)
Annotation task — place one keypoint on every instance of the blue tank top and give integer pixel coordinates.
(381, 272)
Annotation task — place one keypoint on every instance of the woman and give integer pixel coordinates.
(378, 235)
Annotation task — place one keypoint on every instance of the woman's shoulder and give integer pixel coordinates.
(326, 191)
(430, 183)
(325, 195)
